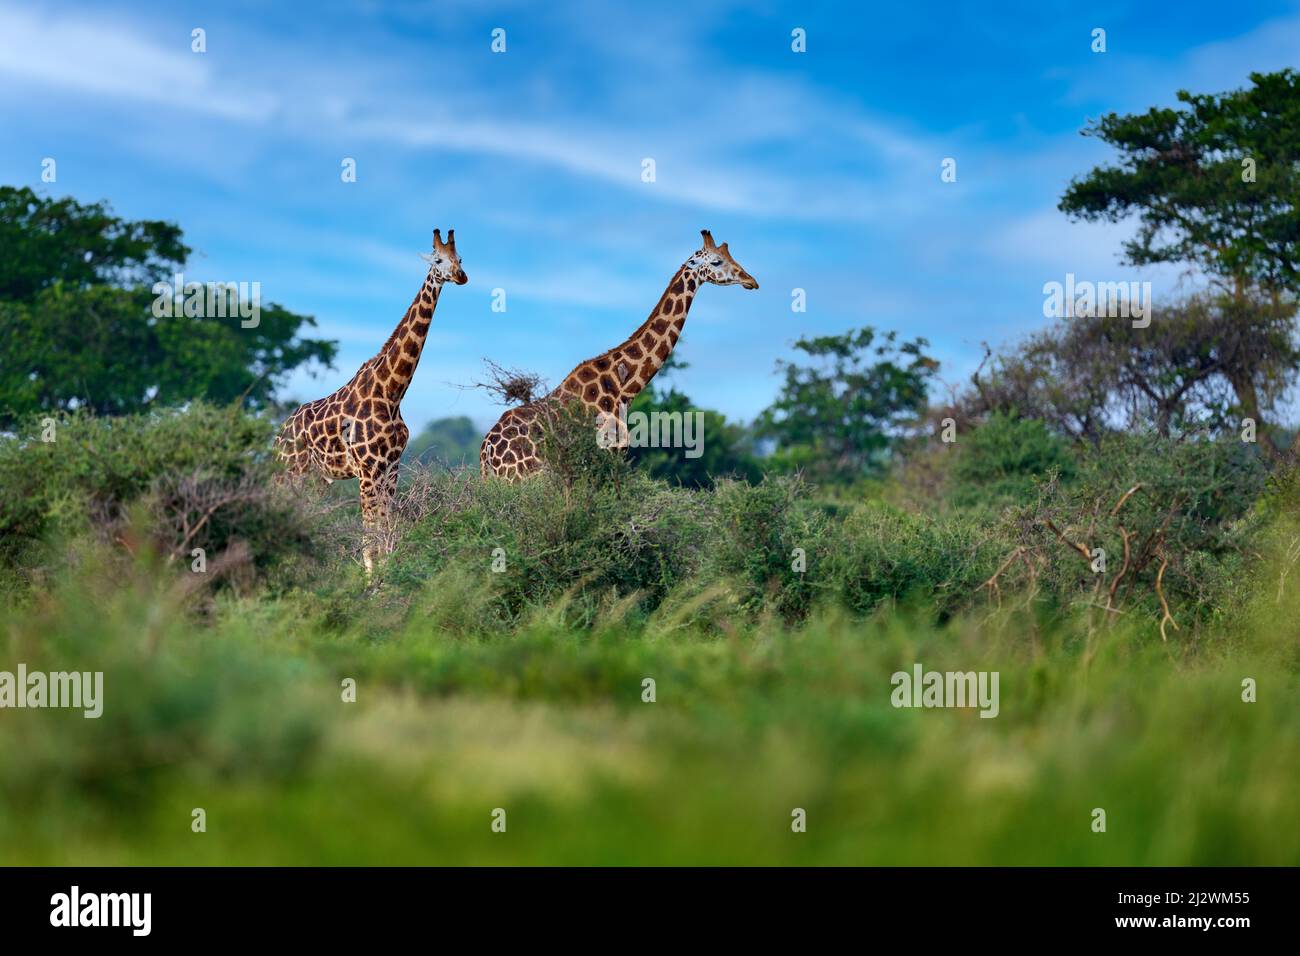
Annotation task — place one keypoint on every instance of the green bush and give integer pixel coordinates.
(998, 463)
(1186, 505)
(202, 477)
(758, 529)
(881, 554)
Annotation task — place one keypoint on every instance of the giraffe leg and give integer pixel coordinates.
(369, 518)
(387, 496)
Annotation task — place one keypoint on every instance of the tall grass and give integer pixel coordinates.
(243, 717)
(522, 686)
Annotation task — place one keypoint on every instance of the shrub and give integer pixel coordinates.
(202, 477)
(758, 529)
(881, 554)
(998, 463)
(1150, 524)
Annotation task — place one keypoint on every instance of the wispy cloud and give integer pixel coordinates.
(93, 55)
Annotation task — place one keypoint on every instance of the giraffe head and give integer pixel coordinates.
(444, 262)
(713, 263)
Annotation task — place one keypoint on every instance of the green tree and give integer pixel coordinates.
(725, 447)
(1215, 184)
(78, 329)
(837, 417)
(45, 241)
(454, 441)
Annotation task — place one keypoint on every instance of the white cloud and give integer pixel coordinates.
(109, 61)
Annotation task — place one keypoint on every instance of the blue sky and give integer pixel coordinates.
(821, 169)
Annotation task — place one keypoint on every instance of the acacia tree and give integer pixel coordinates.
(1215, 186)
(1090, 375)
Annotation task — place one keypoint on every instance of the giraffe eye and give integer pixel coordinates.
(717, 262)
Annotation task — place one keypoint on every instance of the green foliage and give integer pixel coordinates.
(758, 529)
(882, 555)
(199, 478)
(1182, 171)
(1203, 363)
(574, 450)
(524, 687)
(1193, 512)
(244, 707)
(77, 329)
(454, 441)
(837, 417)
(999, 462)
(725, 448)
(49, 241)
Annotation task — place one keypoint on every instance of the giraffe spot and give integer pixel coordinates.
(601, 364)
(676, 287)
(679, 306)
(420, 328)
(404, 368)
(673, 333)
(606, 404)
(508, 457)
(690, 284)
(586, 374)
(510, 432)
(648, 369)
(411, 347)
(364, 411)
(572, 385)
(659, 325)
(607, 385)
(634, 352)
(592, 393)
(426, 311)
(663, 351)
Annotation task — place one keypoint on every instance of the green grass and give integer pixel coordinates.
(236, 708)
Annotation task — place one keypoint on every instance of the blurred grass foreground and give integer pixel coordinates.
(644, 678)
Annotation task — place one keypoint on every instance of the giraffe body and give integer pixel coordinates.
(357, 431)
(608, 382)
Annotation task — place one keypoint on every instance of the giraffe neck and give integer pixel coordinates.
(658, 335)
(620, 374)
(395, 364)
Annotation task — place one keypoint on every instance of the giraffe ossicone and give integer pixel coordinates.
(357, 431)
(604, 383)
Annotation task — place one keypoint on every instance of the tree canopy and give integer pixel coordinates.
(77, 327)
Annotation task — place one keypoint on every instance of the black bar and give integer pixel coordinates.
(335, 905)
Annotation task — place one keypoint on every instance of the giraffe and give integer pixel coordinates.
(358, 432)
(608, 381)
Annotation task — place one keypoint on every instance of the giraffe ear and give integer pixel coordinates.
(708, 238)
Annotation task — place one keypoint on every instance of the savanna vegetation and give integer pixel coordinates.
(645, 659)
